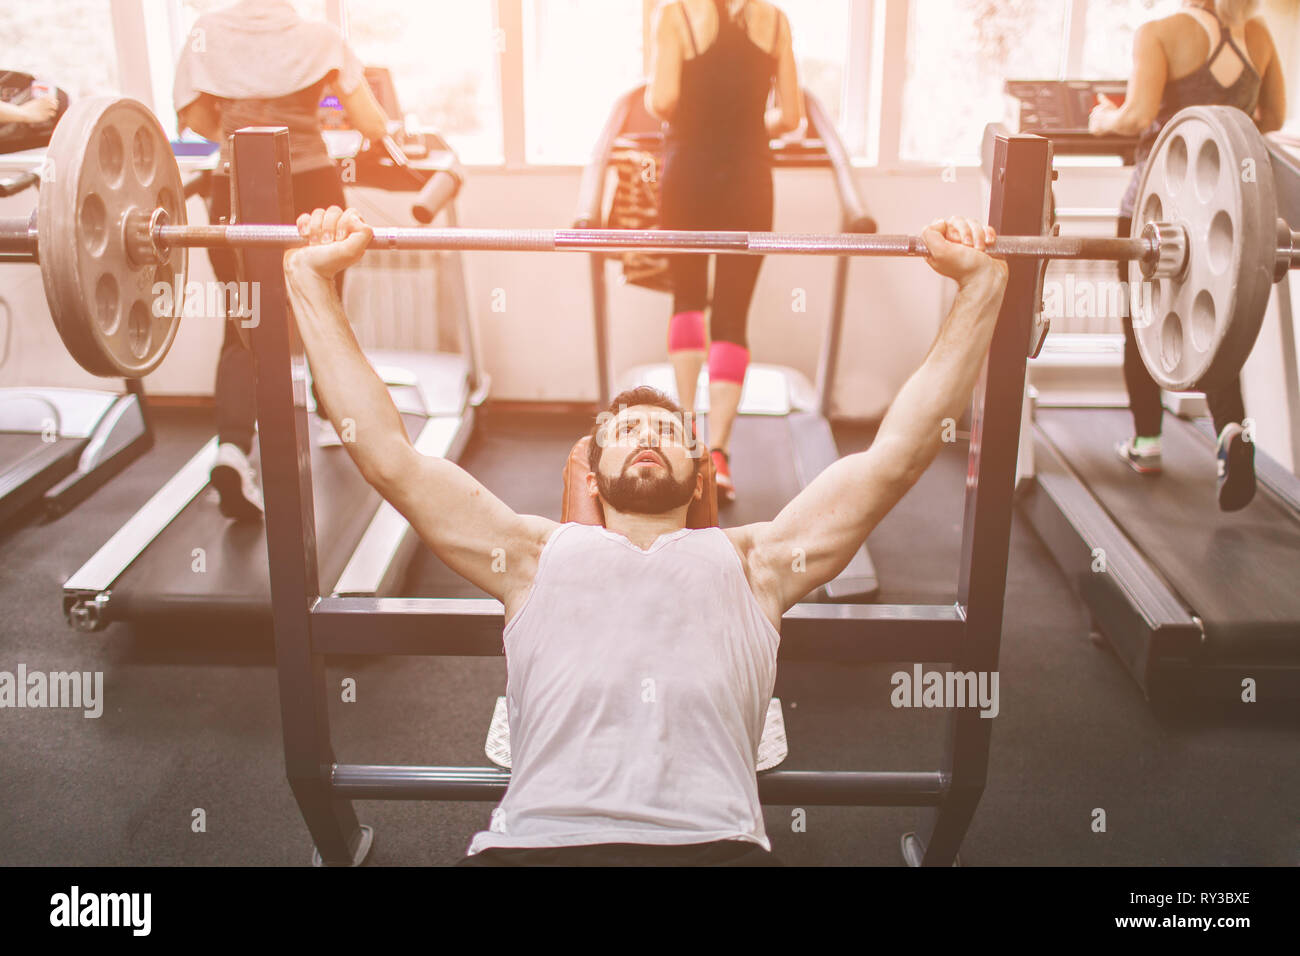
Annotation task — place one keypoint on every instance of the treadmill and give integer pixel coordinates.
(57, 445)
(178, 557)
(1194, 601)
(781, 439)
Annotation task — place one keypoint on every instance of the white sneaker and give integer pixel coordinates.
(1144, 462)
(236, 483)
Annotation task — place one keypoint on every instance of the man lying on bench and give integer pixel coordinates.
(641, 654)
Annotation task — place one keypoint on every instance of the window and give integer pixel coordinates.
(1108, 34)
(579, 57)
(819, 30)
(192, 9)
(442, 55)
(959, 53)
(443, 58)
(68, 43)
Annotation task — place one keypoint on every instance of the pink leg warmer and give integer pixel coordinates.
(686, 331)
(727, 362)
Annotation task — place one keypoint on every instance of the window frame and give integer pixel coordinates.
(872, 94)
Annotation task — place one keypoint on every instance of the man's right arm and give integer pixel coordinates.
(471, 530)
(827, 522)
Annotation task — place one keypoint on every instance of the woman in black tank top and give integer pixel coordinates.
(716, 174)
(1226, 77)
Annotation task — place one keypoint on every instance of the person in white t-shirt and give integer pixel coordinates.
(641, 655)
(258, 63)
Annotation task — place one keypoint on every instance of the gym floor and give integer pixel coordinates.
(191, 717)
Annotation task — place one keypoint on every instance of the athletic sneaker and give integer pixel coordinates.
(1142, 454)
(722, 475)
(236, 483)
(1236, 468)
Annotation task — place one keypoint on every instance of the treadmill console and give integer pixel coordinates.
(1059, 110)
(426, 148)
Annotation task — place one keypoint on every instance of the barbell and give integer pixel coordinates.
(110, 233)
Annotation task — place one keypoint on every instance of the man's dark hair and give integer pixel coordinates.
(641, 395)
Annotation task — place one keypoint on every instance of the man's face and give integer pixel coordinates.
(646, 464)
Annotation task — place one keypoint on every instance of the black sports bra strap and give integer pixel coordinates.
(1241, 55)
(689, 32)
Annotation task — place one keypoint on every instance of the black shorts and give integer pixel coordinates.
(718, 853)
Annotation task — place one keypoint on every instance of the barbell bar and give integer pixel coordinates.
(151, 237)
(658, 240)
(111, 220)
(1160, 250)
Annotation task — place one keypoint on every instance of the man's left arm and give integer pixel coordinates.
(816, 535)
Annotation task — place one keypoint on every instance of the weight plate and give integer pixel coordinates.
(1210, 173)
(108, 166)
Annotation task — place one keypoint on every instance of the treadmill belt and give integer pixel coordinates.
(519, 457)
(762, 456)
(234, 579)
(1239, 572)
(16, 448)
(30, 466)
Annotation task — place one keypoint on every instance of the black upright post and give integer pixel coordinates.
(831, 343)
(600, 310)
(1022, 176)
(263, 193)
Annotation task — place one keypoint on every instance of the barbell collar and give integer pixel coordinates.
(18, 236)
(1169, 241)
(1288, 250)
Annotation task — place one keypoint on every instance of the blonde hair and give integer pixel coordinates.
(1234, 13)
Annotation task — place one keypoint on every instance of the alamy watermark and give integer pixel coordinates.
(77, 690)
(946, 689)
(1083, 298)
(77, 909)
(672, 428)
(210, 300)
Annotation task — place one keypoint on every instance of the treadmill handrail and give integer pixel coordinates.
(591, 190)
(853, 209)
(15, 185)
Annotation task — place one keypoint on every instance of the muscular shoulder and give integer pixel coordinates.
(520, 554)
(759, 570)
(523, 554)
(535, 531)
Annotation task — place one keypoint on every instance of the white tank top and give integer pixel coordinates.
(638, 683)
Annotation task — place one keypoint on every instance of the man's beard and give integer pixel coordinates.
(653, 494)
